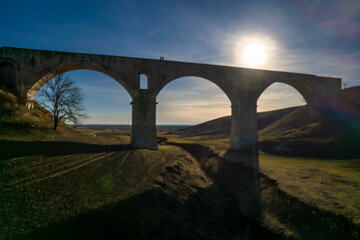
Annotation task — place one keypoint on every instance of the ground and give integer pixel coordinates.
(76, 186)
(71, 185)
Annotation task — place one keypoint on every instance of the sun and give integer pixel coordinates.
(254, 53)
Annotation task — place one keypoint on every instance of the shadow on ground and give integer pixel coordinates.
(53, 148)
(231, 208)
(258, 195)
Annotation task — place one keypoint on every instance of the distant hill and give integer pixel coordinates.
(351, 95)
(290, 124)
(221, 126)
(349, 106)
(297, 131)
(304, 133)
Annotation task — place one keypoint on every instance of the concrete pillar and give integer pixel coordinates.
(143, 129)
(243, 124)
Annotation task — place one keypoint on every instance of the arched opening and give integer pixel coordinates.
(278, 96)
(7, 76)
(187, 104)
(144, 82)
(51, 73)
(280, 107)
(287, 125)
(106, 101)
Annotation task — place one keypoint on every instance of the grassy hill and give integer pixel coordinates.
(297, 131)
(351, 96)
(221, 126)
(18, 122)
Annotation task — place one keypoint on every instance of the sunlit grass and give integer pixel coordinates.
(332, 185)
(218, 145)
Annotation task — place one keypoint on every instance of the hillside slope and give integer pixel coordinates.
(221, 126)
(349, 106)
(17, 122)
(351, 96)
(297, 131)
(300, 133)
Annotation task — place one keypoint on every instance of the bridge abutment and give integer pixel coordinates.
(143, 129)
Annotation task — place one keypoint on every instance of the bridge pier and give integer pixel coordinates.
(143, 129)
(243, 125)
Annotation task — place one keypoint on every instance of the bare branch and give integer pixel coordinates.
(63, 99)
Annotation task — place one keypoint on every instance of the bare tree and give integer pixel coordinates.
(63, 99)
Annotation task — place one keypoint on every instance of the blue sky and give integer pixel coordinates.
(310, 36)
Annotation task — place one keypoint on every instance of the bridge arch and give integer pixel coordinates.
(218, 81)
(49, 73)
(304, 89)
(286, 96)
(10, 61)
(191, 100)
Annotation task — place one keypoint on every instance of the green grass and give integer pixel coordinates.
(39, 190)
(218, 145)
(332, 185)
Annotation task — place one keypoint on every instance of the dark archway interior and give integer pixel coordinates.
(7, 76)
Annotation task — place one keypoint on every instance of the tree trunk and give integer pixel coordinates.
(56, 121)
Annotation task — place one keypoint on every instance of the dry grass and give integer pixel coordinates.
(39, 189)
(332, 185)
(42, 189)
(217, 144)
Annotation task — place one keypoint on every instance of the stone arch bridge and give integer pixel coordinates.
(27, 70)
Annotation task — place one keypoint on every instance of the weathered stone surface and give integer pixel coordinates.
(27, 70)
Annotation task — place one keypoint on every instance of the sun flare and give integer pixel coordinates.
(254, 53)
